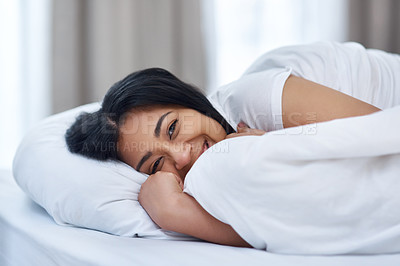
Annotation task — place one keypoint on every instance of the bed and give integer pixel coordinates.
(73, 190)
(29, 236)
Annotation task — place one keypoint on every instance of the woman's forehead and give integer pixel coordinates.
(141, 117)
(149, 121)
(142, 122)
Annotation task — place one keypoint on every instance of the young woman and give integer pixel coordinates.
(160, 126)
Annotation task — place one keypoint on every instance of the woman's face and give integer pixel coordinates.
(166, 138)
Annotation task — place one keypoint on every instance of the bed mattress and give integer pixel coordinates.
(29, 236)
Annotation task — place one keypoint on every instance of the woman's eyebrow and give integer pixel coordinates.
(157, 134)
(143, 160)
(158, 126)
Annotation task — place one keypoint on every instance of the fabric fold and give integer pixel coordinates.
(332, 192)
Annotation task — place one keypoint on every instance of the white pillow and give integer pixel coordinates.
(78, 191)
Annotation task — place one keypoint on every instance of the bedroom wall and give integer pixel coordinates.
(97, 42)
(24, 71)
(375, 23)
(244, 29)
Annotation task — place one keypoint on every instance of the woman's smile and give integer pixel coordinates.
(174, 139)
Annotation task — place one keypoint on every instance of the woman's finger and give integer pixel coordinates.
(242, 127)
(244, 130)
(232, 135)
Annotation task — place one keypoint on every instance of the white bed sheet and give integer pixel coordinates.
(29, 236)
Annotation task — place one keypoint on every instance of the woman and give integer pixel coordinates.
(160, 126)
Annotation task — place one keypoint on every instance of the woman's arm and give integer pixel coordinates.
(306, 102)
(172, 209)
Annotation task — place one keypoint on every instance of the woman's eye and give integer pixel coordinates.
(155, 165)
(171, 129)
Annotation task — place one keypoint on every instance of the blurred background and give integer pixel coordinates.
(58, 54)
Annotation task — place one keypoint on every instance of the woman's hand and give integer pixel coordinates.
(244, 130)
(158, 195)
(162, 196)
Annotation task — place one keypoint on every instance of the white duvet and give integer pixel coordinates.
(328, 188)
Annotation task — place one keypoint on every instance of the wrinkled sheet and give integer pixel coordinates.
(30, 237)
(327, 188)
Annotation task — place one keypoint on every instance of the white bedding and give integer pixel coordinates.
(30, 237)
(330, 188)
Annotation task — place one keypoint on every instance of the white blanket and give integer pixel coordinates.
(328, 188)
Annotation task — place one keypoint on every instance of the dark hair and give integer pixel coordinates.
(95, 135)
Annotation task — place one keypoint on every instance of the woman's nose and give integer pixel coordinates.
(181, 155)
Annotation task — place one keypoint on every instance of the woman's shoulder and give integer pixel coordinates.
(305, 58)
(254, 99)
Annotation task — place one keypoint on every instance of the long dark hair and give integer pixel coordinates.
(95, 135)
